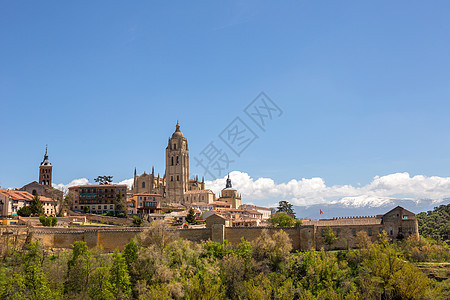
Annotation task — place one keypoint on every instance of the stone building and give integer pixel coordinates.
(44, 186)
(100, 198)
(176, 182)
(398, 223)
(13, 200)
(230, 195)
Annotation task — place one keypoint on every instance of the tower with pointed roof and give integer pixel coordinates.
(230, 195)
(177, 167)
(45, 171)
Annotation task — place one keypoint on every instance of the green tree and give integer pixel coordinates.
(121, 205)
(330, 237)
(190, 218)
(35, 279)
(36, 206)
(120, 280)
(281, 219)
(79, 271)
(286, 207)
(104, 179)
(435, 223)
(101, 287)
(137, 221)
(24, 211)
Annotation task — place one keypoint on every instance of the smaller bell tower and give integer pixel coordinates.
(45, 171)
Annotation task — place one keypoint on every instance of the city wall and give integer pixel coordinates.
(110, 239)
(303, 238)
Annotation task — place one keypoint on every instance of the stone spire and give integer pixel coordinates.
(46, 162)
(228, 185)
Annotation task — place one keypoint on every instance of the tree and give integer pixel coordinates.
(24, 211)
(121, 205)
(190, 218)
(120, 280)
(286, 207)
(281, 219)
(137, 221)
(104, 179)
(330, 237)
(36, 206)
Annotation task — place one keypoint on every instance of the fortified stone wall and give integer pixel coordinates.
(303, 238)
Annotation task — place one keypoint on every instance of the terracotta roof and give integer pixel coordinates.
(147, 194)
(220, 203)
(344, 221)
(98, 185)
(198, 192)
(22, 195)
(198, 204)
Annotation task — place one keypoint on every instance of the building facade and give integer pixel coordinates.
(230, 195)
(13, 200)
(176, 182)
(98, 199)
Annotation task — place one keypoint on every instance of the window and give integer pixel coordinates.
(178, 177)
(323, 232)
(175, 146)
(171, 178)
(370, 231)
(171, 161)
(338, 231)
(354, 232)
(178, 160)
(143, 185)
(391, 232)
(381, 230)
(405, 217)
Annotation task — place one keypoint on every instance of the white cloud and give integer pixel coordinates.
(128, 182)
(382, 190)
(65, 187)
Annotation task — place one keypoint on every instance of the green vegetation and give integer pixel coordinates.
(36, 206)
(159, 265)
(190, 218)
(137, 221)
(286, 207)
(48, 221)
(24, 211)
(281, 219)
(435, 223)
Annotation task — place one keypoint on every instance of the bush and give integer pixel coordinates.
(48, 221)
(137, 221)
(24, 211)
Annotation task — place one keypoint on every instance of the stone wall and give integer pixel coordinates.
(303, 238)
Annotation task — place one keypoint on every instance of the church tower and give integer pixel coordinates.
(177, 167)
(45, 171)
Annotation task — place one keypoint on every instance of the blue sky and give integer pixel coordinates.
(364, 87)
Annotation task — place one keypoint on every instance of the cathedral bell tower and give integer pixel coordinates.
(177, 167)
(45, 171)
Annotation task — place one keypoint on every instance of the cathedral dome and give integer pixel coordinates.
(177, 133)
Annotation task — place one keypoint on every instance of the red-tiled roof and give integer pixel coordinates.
(22, 195)
(198, 192)
(98, 185)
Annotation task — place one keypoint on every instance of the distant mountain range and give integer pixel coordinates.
(344, 209)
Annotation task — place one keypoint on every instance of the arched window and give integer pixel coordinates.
(172, 161)
(178, 177)
(34, 192)
(178, 160)
(143, 185)
(175, 146)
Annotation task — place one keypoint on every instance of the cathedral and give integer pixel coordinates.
(175, 184)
